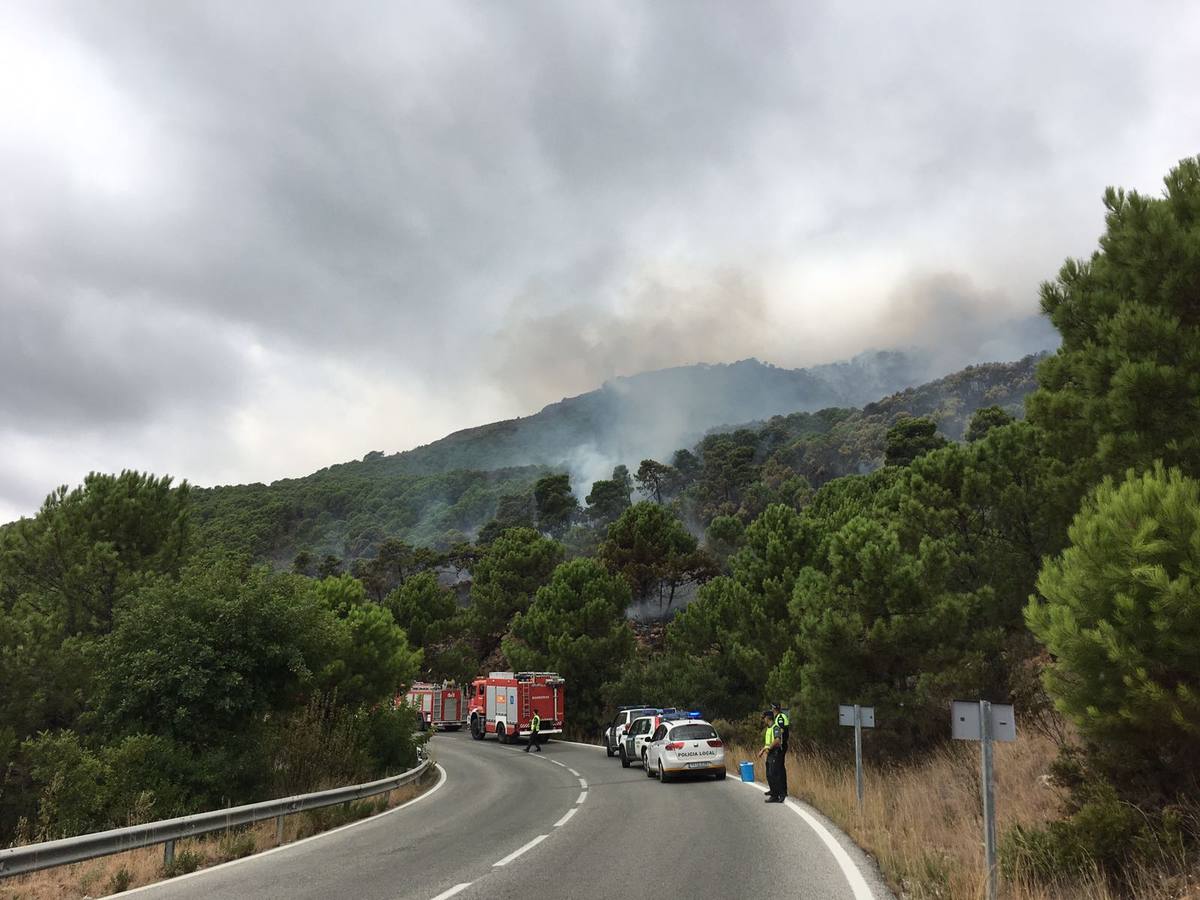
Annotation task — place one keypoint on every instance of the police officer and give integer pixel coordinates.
(534, 728)
(784, 723)
(772, 748)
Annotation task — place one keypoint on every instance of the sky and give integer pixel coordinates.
(240, 242)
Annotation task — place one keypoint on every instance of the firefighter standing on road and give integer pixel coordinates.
(784, 723)
(773, 749)
(534, 727)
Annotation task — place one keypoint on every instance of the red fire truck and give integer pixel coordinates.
(503, 704)
(440, 705)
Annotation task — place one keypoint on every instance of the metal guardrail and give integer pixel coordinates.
(32, 857)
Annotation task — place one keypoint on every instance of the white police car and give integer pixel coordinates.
(632, 747)
(685, 747)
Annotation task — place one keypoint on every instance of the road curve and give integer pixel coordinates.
(569, 823)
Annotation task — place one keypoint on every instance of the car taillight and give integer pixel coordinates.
(674, 745)
(716, 743)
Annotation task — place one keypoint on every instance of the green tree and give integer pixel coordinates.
(86, 548)
(911, 437)
(609, 498)
(556, 505)
(882, 627)
(576, 626)
(505, 579)
(1122, 389)
(423, 608)
(657, 481)
(1119, 611)
(202, 660)
(984, 420)
(650, 547)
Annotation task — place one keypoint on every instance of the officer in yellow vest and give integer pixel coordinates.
(534, 727)
(784, 723)
(772, 748)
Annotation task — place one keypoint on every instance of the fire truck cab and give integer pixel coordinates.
(439, 705)
(503, 704)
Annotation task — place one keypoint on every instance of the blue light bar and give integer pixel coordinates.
(695, 715)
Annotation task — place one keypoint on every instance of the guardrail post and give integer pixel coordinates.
(168, 853)
(278, 830)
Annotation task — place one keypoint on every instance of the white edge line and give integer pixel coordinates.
(858, 884)
(572, 771)
(457, 889)
(579, 744)
(245, 859)
(537, 840)
(557, 763)
(582, 797)
(561, 822)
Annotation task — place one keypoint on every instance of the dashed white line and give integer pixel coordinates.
(583, 784)
(537, 840)
(582, 798)
(572, 771)
(561, 822)
(457, 889)
(557, 763)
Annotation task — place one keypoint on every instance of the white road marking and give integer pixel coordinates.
(316, 837)
(582, 798)
(563, 821)
(457, 889)
(572, 771)
(580, 744)
(858, 884)
(557, 763)
(583, 784)
(537, 840)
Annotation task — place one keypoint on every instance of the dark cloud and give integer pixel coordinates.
(454, 209)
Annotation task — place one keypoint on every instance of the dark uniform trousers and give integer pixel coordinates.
(776, 773)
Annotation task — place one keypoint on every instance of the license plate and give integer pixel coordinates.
(698, 765)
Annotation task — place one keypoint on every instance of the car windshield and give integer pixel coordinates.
(695, 732)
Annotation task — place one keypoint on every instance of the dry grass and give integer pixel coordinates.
(923, 824)
(122, 871)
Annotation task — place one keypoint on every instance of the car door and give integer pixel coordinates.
(653, 746)
(639, 726)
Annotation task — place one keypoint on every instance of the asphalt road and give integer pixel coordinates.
(569, 823)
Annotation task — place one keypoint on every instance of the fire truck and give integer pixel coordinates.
(503, 704)
(439, 705)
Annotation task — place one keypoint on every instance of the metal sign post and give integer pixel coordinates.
(985, 722)
(860, 717)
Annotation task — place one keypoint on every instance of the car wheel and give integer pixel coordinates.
(662, 776)
(609, 750)
(624, 759)
(476, 728)
(501, 736)
(721, 775)
(646, 765)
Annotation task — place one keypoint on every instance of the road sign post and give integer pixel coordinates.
(860, 717)
(985, 722)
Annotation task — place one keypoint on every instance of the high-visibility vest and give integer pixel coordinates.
(782, 720)
(536, 725)
(771, 735)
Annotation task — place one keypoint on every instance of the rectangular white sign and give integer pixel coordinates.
(964, 721)
(846, 716)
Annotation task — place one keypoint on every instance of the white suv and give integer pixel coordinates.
(616, 729)
(690, 747)
(632, 748)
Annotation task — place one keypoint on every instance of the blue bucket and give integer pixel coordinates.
(747, 770)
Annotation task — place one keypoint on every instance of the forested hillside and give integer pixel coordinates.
(146, 662)
(348, 510)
